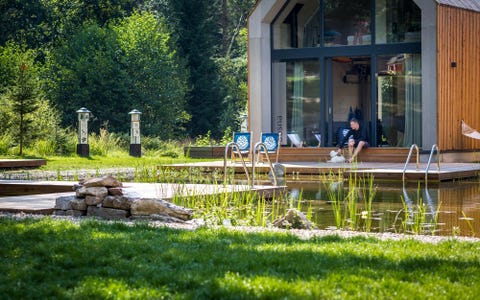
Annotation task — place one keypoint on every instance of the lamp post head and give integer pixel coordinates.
(135, 115)
(83, 114)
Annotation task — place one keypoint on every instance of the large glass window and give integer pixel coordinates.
(347, 22)
(296, 99)
(399, 101)
(347, 82)
(397, 21)
(297, 26)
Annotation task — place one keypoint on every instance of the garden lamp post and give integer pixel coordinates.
(83, 149)
(135, 146)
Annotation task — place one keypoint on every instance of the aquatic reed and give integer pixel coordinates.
(345, 200)
(417, 219)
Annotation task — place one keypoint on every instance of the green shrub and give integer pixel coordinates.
(43, 148)
(204, 140)
(154, 146)
(5, 144)
(104, 143)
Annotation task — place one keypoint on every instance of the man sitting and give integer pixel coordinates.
(357, 140)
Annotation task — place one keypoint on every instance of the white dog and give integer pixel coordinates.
(335, 158)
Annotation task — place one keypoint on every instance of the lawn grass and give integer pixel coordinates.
(117, 160)
(54, 259)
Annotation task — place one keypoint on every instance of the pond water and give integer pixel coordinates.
(445, 208)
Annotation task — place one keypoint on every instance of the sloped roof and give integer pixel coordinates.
(466, 4)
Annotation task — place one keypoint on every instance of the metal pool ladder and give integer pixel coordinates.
(236, 149)
(414, 146)
(258, 146)
(434, 148)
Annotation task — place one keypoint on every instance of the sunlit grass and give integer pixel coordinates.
(115, 160)
(52, 259)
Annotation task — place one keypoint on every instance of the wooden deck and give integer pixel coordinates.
(386, 171)
(21, 163)
(383, 162)
(39, 197)
(308, 154)
(372, 154)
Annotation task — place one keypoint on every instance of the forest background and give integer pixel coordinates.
(182, 63)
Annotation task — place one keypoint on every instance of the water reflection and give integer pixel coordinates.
(447, 208)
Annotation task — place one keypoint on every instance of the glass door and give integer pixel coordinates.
(348, 92)
(399, 104)
(296, 99)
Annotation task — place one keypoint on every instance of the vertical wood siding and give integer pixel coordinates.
(458, 41)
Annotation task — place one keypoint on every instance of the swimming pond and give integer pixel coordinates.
(445, 208)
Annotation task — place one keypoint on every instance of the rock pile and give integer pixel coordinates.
(293, 219)
(106, 198)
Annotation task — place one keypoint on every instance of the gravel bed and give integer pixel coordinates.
(302, 234)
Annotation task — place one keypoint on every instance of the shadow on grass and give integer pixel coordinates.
(58, 259)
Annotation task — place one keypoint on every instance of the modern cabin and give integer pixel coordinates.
(409, 70)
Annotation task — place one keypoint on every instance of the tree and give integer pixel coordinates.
(24, 98)
(21, 21)
(199, 39)
(157, 75)
(87, 71)
(208, 37)
(45, 23)
(234, 72)
(113, 69)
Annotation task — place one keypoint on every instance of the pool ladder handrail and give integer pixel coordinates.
(414, 146)
(254, 160)
(434, 147)
(235, 149)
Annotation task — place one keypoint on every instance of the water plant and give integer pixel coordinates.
(417, 218)
(469, 223)
(368, 194)
(345, 200)
(335, 193)
(236, 207)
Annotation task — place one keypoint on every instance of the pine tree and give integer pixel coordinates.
(199, 40)
(24, 99)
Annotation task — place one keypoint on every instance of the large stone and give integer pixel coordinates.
(79, 204)
(76, 187)
(118, 202)
(93, 200)
(107, 213)
(64, 203)
(100, 192)
(115, 191)
(294, 219)
(160, 207)
(106, 181)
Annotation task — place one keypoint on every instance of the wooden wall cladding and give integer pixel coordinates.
(458, 63)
